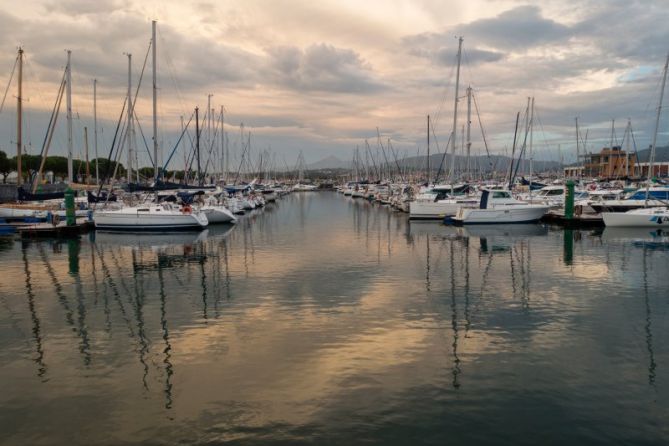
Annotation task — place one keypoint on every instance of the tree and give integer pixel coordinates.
(5, 166)
(146, 172)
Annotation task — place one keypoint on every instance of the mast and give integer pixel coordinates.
(578, 155)
(428, 150)
(197, 144)
(651, 160)
(88, 167)
(513, 151)
(227, 158)
(531, 137)
(469, 129)
(627, 147)
(95, 130)
(222, 148)
(19, 123)
(128, 132)
(185, 176)
(68, 98)
(155, 102)
(209, 126)
(522, 155)
(455, 112)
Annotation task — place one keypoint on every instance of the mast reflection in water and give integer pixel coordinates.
(324, 319)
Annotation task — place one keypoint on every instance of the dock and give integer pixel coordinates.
(48, 230)
(557, 217)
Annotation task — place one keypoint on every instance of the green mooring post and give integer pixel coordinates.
(569, 201)
(69, 207)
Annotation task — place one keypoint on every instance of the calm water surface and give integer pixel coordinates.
(324, 320)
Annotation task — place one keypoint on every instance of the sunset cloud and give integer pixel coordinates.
(322, 76)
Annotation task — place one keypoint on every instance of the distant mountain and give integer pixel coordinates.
(661, 155)
(498, 163)
(330, 162)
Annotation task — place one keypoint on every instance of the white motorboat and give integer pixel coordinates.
(438, 210)
(657, 196)
(499, 207)
(552, 196)
(151, 217)
(441, 201)
(654, 217)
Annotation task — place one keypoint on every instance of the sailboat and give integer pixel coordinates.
(443, 201)
(214, 208)
(646, 216)
(153, 216)
(301, 186)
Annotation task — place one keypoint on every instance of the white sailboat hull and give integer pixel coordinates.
(144, 219)
(638, 218)
(218, 214)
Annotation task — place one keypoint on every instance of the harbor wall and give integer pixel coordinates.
(7, 193)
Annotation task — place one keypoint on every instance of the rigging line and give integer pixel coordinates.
(134, 102)
(444, 96)
(468, 64)
(485, 140)
(634, 144)
(443, 159)
(191, 152)
(141, 132)
(176, 146)
(524, 146)
(111, 150)
(56, 106)
(211, 148)
(541, 126)
(11, 76)
(171, 70)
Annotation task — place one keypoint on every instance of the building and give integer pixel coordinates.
(573, 172)
(660, 169)
(608, 163)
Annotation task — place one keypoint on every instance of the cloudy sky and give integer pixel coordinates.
(320, 77)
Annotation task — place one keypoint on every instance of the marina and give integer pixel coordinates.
(387, 330)
(333, 223)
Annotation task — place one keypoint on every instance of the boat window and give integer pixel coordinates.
(499, 194)
(142, 210)
(555, 192)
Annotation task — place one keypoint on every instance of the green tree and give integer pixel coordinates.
(146, 172)
(5, 166)
(57, 165)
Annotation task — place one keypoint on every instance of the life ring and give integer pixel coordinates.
(187, 209)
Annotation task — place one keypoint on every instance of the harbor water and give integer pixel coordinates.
(323, 319)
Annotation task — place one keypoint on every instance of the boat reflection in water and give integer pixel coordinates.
(640, 237)
(330, 320)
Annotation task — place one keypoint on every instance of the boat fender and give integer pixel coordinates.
(55, 219)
